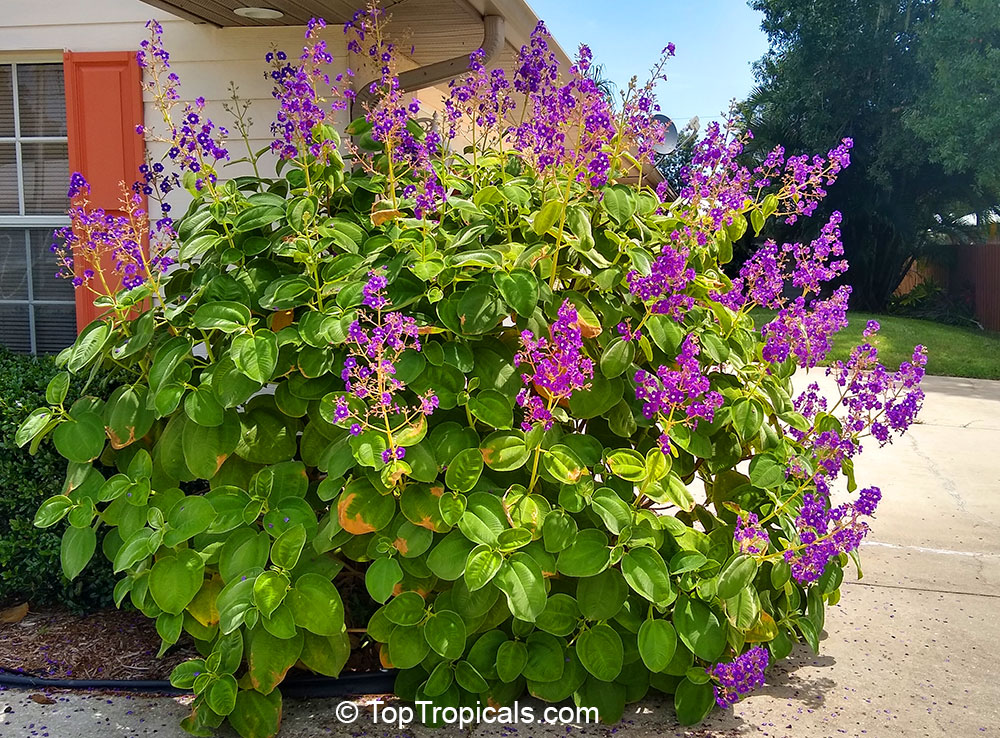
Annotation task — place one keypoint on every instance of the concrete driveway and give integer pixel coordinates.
(913, 650)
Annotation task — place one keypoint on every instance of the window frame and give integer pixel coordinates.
(22, 220)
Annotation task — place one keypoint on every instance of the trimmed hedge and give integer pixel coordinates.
(29, 556)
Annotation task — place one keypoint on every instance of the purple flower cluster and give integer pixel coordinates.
(739, 677)
(95, 238)
(558, 367)
(663, 288)
(805, 330)
(803, 179)
(714, 178)
(681, 395)
(482, 97)
(750, 537)
(411, 151)
(195, 144)
(824, 532)
(304, 109)
(806, 267)
(565, 126)
(375, 341)
(875, 399)
(639, 128)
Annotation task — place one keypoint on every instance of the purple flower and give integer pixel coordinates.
(681, 395)
(558, 367)
(663, 288)
(307, 99)
(739, 677)
(375, 341)
(749, 536)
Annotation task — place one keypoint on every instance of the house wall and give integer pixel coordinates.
(205, 58)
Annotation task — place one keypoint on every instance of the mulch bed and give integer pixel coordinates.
(113, 644)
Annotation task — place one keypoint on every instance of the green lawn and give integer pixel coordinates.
(951, 351)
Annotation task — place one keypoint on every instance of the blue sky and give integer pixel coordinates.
(716, 42)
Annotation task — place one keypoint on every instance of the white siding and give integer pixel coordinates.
(205, 58)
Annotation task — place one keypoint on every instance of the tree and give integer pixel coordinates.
(871, 70)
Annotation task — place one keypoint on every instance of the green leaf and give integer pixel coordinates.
(269, 658)
(58, 386)
(492, 408)
(269, 590)
(464, 470)
(519, 289)
(81, 437)
(628, 464)
(227, 317)
(480, 309)
(766, 472)
(520, 579)
(617, 357)
(736, 576)
(407, 646)
(325, 655)
(699, 628)
(257, 216)
(560, 616)
(52, 511)
(175, 579)
(33, 426)
(511, 659)
(316, 605)
(618, 202)
(256, 715)
(546, 657)
(256, 355)
(600, 597)
(221, 694)
(748, 416)
(187, 518)
(481, 566)
(665, 332)
(78, 546)
(382, 577)
(202, 243)
(407, 608)
(505, 451)
(810, 633)
(88, 345)
(288, 547)
(547, 216)
(601, 652)
(563, 463)
(445, 633)
(693, 701)
(611, 509)
(469, 678)
(235, 601)
(657, 643)
(184, 674)
(207, 447)
(588, 555)
(646, 573)
(558, 531)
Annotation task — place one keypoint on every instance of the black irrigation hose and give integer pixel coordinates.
(348, 685)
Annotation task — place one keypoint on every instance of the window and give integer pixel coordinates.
(37, 311)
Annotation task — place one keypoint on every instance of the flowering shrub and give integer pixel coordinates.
(507, 384)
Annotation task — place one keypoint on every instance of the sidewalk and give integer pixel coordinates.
(913, 651)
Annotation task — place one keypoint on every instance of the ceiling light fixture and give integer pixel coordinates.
(255, 13)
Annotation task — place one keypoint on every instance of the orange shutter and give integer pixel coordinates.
(103, 108)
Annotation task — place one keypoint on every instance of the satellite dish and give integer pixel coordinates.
(669, 141)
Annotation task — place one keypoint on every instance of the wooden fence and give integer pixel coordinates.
(975, 275)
